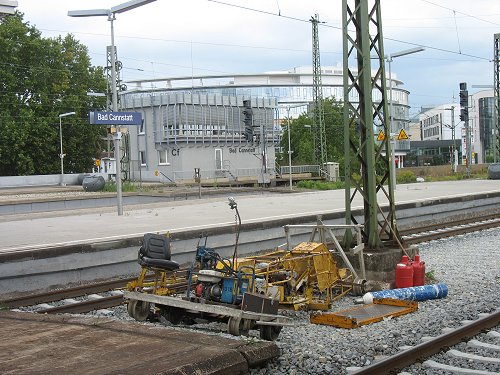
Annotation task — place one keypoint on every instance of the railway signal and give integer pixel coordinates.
(248, 120)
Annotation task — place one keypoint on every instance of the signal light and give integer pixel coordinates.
(464, 114)
(248, 120)
(464, 95)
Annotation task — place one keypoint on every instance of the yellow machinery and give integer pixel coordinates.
(303, 277)
(306, 277)
(366, 314)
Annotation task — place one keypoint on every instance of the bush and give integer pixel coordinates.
(320, 185)
(406, 177)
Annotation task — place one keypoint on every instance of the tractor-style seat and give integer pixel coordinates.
(155, 253)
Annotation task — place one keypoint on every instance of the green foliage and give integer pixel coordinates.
(429, 277)
(127, 186)
(406, 177)
(41, 78)
(302, 141)
(320, 185)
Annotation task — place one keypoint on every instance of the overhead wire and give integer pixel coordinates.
(459, 12)
(339, 28)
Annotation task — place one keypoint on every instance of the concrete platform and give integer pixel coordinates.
(103, 224)
(63, 344)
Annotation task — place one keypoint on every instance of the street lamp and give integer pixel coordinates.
(389, 58)
(61, 155)
(452, 127)
(289, 142)
(110, 13)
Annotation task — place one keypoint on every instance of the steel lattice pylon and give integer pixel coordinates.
(360, 43)
(319, 131)
(496, 89)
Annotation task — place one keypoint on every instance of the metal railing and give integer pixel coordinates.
(297, 169)
(231, 174)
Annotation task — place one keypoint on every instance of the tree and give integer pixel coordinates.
(41, 78)
(301, 135)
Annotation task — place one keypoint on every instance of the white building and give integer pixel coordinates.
(438, 123)
(179, 120)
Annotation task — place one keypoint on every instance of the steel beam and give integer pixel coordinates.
(319, 131)
(363, 43)
(496, 89)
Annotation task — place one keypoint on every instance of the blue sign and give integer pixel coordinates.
(115, 118)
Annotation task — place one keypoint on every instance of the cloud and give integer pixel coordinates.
(178, 38)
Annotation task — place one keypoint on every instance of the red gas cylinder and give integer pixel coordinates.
(404, 273)
(418, 271)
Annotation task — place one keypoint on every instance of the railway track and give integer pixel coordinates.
(423, 352)
(449, 229)
(105, 295)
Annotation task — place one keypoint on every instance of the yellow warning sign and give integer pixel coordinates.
(402, 135)
(381, 136)
(156, 172)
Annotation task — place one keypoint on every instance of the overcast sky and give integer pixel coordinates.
(184, 37)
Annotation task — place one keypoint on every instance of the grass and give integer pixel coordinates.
(126, 187)
(429, 277)
(402, 177)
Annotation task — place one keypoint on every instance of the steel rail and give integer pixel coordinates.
(447, 224)
(56, 295)
(451, 232)
(426, 349)
(84, 306)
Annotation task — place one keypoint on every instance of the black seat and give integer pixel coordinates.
(155, 253)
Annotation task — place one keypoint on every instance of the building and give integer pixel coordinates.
(440, 123)
(222, 138)
(443, 123)
(198, 122)
(481, 109)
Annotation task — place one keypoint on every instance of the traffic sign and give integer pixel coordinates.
(381, 136)
(115, 118)
(402, 135)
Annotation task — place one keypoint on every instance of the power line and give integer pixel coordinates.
(339, 28)
(457, 11)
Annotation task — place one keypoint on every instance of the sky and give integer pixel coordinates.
(169, 38)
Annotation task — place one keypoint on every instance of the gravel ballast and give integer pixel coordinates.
(468, 264)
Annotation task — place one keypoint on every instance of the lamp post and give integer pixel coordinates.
(389, 58)
(61, 155)
(289, 151)
(110, 13)
(452, 127)
(288, 107)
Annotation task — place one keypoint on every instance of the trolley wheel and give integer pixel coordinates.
(270, 333)
(238, 326)
(139, 310)
(358, 287)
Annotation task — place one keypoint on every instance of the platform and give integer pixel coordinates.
(64, 344)
(101, 224)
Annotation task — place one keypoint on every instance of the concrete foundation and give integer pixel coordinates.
(380, 265)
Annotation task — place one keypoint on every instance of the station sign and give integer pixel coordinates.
(115, 118)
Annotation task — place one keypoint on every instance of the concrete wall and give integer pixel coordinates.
(42, 180)
(64, 266)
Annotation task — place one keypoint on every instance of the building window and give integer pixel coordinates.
(142, 157)
(218, 159)
(141, 127)
(162, 157)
